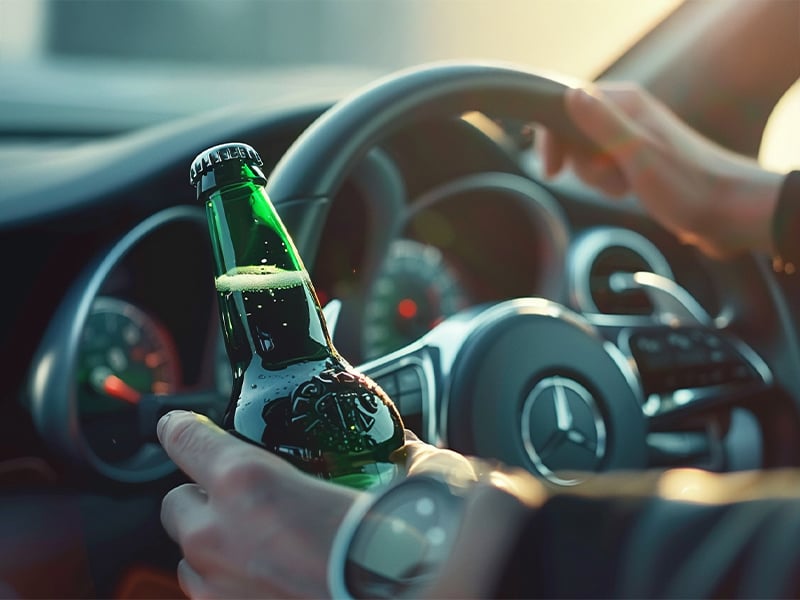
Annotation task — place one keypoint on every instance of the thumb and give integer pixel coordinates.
(606, 125)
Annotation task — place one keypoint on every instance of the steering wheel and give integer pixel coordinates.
(526, 381)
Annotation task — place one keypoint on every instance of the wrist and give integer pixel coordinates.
(430, 536)
(749, 212)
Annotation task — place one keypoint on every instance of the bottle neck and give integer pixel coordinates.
(267, 303)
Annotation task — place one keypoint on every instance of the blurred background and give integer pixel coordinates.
(559, 34)
(111, 65)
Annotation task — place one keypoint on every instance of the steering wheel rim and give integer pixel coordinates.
(317, 162)
(307, 177)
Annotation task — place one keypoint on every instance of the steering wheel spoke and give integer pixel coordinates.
(411, 377)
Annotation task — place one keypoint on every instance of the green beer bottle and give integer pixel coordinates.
(293, 393)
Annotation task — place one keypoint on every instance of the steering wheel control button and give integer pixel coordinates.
(405, 387)
(652, 352)
(563, 429)
(690, 367)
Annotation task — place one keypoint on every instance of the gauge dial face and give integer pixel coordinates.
(123, 354)
(413, 292)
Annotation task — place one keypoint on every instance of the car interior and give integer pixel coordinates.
(479, 294)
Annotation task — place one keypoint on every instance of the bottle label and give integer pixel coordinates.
(339, 401)
(333, 412)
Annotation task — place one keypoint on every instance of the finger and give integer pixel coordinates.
(630, 98)
(410, 436)
(191, 583)
(600, 172)
(180, 507)
(196, 586)
(608, 127)
(401, 454)
(424, 458)
(550, 151)
(202, 450)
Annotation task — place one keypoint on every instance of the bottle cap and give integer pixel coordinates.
(208, 159)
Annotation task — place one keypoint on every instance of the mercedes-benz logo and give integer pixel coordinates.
(562, 429)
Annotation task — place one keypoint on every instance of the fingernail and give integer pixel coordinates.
(162, 422)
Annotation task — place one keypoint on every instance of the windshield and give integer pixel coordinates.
(83, 66)
(561, 35)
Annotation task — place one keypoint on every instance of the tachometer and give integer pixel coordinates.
(415, 289)
(123, 354)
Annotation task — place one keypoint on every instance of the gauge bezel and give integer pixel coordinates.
(590, 244)
(104, 305)
(547, 220)
(52, 391)
(431, 263)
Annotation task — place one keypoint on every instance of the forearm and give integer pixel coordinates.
(696, 535)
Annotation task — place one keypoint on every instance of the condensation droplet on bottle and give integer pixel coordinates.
(253, 386)
(262, 376)
(263, 261)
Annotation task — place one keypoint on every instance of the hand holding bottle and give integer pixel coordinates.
(252, 526)
(706, 195)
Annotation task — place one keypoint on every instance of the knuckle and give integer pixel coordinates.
(240, 474)
(199, 541)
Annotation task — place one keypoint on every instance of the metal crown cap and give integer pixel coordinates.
(216, 155)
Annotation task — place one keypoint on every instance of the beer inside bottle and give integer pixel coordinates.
(293, 393)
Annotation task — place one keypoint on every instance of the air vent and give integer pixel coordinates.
(615, 260)
(599, 253)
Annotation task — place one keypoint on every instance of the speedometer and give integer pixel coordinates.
(123, 354)
(412, 293)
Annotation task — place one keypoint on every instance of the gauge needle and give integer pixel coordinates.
(103, 380)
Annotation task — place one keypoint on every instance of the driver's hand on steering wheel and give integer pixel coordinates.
(707, 196)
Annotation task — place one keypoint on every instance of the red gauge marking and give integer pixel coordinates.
(161, 388)
(154, 359)
(115, 387)
(407, 308)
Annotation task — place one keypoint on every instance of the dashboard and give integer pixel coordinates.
(483, 297)
(442, 227)
(418, 234)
